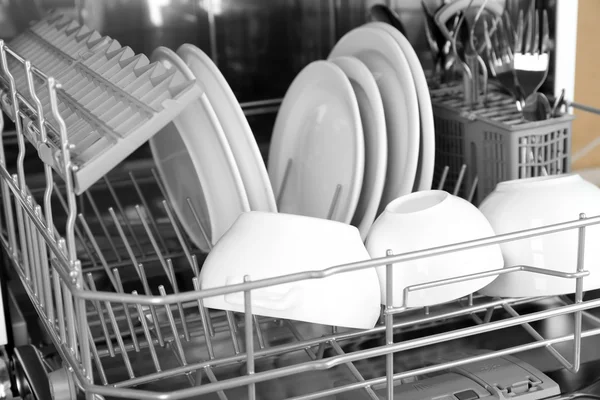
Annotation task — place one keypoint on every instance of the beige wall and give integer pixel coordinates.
(586, 126)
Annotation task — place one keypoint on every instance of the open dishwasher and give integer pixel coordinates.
(101, 287)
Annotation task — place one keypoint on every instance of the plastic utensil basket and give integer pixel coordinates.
(495, 142)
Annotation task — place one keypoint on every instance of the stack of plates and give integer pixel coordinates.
(354, 132)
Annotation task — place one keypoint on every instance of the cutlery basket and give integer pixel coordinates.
(495, 142)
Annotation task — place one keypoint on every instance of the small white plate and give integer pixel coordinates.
(384, 58)
(424, 177)
(373, 124)
(195, 161)
(318, 134)
(239, 135)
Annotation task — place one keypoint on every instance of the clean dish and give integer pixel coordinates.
(318, 144)
(239, 135)
(424, 175)
(266, 245)
(427, 219)
(384, 58)
(373, 124)
(534, 202)
(194, 161)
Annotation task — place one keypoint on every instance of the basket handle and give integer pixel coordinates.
(454, 7)
(276, 298)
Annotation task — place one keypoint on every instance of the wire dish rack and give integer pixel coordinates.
(117, 290)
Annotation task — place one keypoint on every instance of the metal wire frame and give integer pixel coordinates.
(53, 277)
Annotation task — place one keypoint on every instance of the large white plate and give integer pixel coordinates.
(424, 177)
(382, 55)
(318, 129)
(373, 124)
(195, 161)
(239, 135)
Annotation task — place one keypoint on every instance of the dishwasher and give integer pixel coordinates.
(100, 289)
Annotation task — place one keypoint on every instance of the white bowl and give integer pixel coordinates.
(427, 219)
(534, 202)
(266, 245)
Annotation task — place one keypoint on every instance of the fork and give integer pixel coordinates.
(531, 56)
(500, 56)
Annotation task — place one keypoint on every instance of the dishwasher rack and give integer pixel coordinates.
(118, 294)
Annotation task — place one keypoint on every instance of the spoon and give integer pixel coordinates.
(537, 107)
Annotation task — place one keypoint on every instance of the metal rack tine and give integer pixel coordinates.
(180, 237)
(113, 194)
(45, 267)
(148, 335)
(44, 139)
(154, 244)
(163, 192)
(443, 178)
(199, 223)
(471, 194)
(249, 338)
(119, 288)
(32, 250)
(211, 330)
(22, 236)
(259, 333)
(389, 324)
(354, 371)
(96, 356)
(148, 211)
(159, 336)
(292, 328)
(204, 318)
(334, 201)
(461, 176)
(233, 331)
(102, 224)
(59, 306)
(119, 337)
(213, 379)
(94, 243)
(98, 306)
(178, 345)
(186, 332)
(284, 181)
(63, 203)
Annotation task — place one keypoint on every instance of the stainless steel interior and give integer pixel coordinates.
(245, 38)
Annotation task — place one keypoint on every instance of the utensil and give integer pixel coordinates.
(442, 17)
(558, 103)
(531, 55)
(537, 107)
(382, 13)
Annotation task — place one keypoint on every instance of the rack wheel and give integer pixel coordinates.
(62, 385)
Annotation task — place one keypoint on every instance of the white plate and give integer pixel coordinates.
(239, 135)
(194, 161)
(424, 176)
(373, 124)
(384, 58)
(318, 128)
